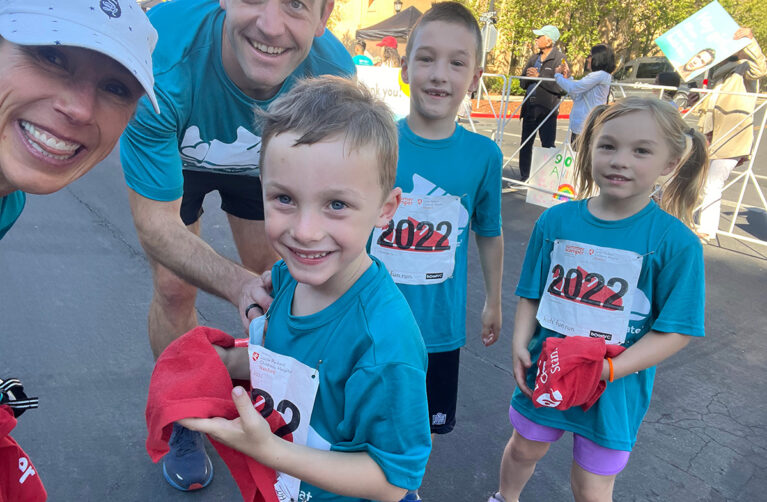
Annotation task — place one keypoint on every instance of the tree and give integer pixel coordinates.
(629, 26)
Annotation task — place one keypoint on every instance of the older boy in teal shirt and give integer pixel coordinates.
(450, 178)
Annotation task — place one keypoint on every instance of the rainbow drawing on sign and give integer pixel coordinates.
(564, 189)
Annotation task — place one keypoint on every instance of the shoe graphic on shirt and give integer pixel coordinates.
(422, 186)
(240, 155)
(550, 400)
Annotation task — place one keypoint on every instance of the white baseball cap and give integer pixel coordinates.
(116, 28)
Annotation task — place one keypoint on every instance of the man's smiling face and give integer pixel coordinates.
(264, 41)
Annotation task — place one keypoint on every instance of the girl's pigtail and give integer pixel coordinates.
(683, 190)
(584, 182)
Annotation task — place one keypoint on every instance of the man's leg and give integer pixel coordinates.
(241, 199)
(171, 312)
(250, 238)
(529, 123)
(548, 131)
(718, 172)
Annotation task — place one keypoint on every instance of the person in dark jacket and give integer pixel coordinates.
(542, 99)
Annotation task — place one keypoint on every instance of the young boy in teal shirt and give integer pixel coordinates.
(329, 157)
(450, 177)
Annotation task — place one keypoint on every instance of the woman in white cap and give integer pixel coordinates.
(71, 74)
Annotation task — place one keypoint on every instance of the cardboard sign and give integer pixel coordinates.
(387, 86)
(701, 41)
(553, 170)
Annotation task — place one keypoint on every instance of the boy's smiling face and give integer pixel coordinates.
(321, 202)
(441, 68)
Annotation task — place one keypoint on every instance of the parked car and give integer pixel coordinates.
(642, 70)
(645, 70)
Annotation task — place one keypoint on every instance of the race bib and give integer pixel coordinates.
(589, 291)
(287, 385)
(418, 246)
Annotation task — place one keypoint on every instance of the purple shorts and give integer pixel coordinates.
(589, 455)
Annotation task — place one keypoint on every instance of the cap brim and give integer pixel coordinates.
(36, 29)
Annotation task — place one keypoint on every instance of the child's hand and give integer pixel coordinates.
(520, 358)
(491, 325)
(249, 433)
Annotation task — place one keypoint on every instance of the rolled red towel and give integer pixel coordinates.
(569, 372)
(190, 380)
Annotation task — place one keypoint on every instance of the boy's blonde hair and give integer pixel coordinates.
(320, 108)
(449, 12)
(682, 190)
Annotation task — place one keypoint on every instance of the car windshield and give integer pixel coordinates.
(651, 70)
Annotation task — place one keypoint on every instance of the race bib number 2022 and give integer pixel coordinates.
(589, 291)
(418, 245)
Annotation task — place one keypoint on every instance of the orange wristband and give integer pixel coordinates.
(610, 362)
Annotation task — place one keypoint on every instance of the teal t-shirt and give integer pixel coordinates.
(670, 298)
(362, 60)
(466, 165)
(10, 208)
(206, 122)
(372, 390)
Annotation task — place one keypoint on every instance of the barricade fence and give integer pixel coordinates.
(743, 174)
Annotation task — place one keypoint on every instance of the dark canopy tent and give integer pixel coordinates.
(397, 26)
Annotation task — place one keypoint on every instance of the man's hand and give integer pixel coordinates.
(255, 291)
(743, 33)
(249, 433)
(491, 325)
(531, 72)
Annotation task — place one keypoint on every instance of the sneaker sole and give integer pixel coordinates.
(193, 486)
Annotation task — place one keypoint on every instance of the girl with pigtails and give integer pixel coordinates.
(615, 265)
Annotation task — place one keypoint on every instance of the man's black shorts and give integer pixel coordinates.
(442, 390)
(240, 195)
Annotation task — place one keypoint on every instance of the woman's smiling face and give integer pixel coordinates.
(62, 109)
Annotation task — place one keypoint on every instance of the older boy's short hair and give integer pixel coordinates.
(449, 12)
(319, 108)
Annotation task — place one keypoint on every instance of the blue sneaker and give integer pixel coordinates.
(187, 466)
(411, 496)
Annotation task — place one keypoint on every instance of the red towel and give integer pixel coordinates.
(18, 477)
(190, 380)
(570, 370)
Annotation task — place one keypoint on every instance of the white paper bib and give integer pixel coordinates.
(589, 291)
(418, 246)
(287, 385)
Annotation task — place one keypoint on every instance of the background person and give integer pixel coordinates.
(731, 139)
(541, 99)
(591, 90)
(391, 57)
(360, 58)
(211, 71)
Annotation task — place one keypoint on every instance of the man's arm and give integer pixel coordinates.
(491, 260)
(166, 240)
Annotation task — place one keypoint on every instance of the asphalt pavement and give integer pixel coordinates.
(74, 292)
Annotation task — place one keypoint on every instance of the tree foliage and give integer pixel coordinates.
(629, 26)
